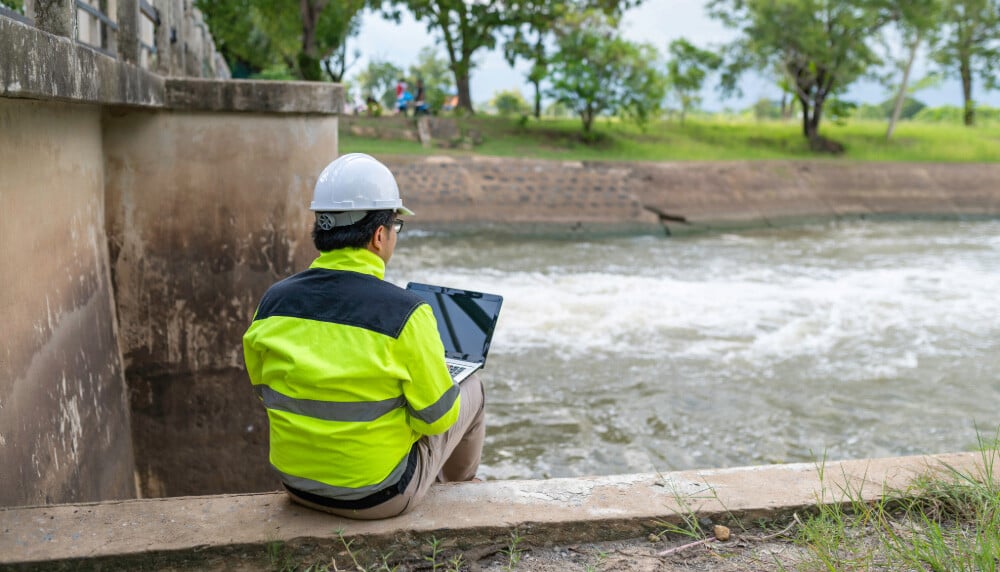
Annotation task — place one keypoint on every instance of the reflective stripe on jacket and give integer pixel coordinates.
(351, 370)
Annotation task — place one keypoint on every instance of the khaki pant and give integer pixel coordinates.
(451, 456)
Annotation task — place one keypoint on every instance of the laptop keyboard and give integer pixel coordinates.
(455, 369)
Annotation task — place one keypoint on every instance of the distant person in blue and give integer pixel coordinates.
(403, 97)
(420, 102)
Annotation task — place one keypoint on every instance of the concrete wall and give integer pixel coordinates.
(165, 207)
(685, 196)
(64, 423)
(205, 211)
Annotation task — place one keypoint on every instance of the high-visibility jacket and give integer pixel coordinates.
(351, 370)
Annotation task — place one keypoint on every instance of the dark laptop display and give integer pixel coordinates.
(465, 320)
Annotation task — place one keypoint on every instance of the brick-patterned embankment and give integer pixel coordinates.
(687, 195)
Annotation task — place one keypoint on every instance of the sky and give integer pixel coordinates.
(655, 21)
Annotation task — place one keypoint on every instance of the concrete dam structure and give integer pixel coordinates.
(145, 211)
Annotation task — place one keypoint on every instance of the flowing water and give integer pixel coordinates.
(620, 355)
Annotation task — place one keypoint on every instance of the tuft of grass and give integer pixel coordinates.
(948, 521)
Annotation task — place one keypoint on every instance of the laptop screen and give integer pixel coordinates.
(465, 319)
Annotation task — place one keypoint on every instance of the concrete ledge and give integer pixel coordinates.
(191, 531)
(254, 96)
(38, 65)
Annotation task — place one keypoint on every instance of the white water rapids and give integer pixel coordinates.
(619, 355)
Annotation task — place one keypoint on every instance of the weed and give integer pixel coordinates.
(435, 553)
(513, 550)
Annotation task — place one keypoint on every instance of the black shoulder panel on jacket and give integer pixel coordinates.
(341, 297)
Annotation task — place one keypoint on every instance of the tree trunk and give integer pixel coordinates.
(966, 72)
(538, 99)
(805, 117)
(901, 94)
(309, 65)
(464, 96)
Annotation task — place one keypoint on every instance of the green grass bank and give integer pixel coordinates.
(697, 139)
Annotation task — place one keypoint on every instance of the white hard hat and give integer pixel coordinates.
(353, 183)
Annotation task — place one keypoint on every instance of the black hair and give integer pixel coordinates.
(355, 235)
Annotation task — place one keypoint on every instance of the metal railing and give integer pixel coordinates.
(152, 47)
(16, 16)
(108, 30)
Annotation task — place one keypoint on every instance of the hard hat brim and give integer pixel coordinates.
(404, 211)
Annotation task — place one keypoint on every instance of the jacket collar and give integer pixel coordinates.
(360, 260)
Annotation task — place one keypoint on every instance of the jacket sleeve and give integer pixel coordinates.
(431, 395)
(253, 358)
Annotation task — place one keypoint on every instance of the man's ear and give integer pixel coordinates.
(378, 239)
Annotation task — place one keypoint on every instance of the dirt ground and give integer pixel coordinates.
(740, 553)
(745, 550)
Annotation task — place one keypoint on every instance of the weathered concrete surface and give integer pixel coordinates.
(191, 532)
(64, 429)
(463, 190)
(37, 65)
(204, 212)
(254, 96)
(687, 196)
(721, 194)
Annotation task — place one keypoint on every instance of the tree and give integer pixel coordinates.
(435, 74)
(530, 22)
(528, 26)
(821, 46)
(301, 35)
(465, 28)
(596, 71)
(686, 72)
(238, 29)
(378, 80)
(972, 45)
(916, 22)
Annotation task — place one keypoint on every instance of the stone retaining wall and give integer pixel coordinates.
(686, 196)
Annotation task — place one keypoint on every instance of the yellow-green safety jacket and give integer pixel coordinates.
(351, 370)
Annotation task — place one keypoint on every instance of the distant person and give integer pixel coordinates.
(450, 103)
(419, 102)
(403, 104)
(363, 414)
(401, 93)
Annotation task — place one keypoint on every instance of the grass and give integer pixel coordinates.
(698, 139)
(949, 522)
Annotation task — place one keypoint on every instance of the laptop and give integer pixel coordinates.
(465, 320)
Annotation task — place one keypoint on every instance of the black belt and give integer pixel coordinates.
(371, 500)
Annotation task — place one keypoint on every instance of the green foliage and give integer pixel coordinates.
(299, 35)
(276, 72)
(820, 47)
(379, 81)
(883, 111)
(686, 72)
(465, 27)
(15, 5)
(435, 74)
(509, 102)
(971, 47)
(595, 71)
(953, 114)
(766, 109)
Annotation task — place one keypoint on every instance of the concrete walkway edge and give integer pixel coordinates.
(543, 511)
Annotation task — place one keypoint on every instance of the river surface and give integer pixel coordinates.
(640, 354)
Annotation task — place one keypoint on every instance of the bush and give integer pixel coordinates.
(510, 102)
